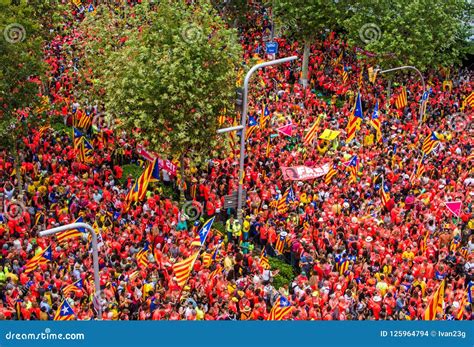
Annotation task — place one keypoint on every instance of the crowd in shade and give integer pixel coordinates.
(385, 233)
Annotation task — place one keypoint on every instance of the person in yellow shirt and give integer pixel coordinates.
(382, 286)
(408, 254)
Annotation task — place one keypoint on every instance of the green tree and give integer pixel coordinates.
(171, 78)
(306, 20)
(411, 32)
(21, 66)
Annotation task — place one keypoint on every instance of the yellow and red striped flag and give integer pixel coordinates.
(280, 309)
(72, 233)
(182, 269)
(206, 259)
(331, 173)
(216, 272)
(142, 257)
(354, 120)
(436, 303)
(264, 259)
(64, 312)
(40, 258)
(311, 134)
(430, 143)
(401, 100)
(469, 100)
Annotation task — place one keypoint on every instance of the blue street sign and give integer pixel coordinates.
(271, 47)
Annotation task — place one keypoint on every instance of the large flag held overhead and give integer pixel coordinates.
(454, 207)
(384, 193)
(469, 100)
(436, 303)
(419, 171)
(265, 116)
(284, 201)
(142, 257)
(402, 101)
(64, 312)
(40, 258)
(375, 122)
(430, 143)
(281, 243)
(331, 173)
(280, 309)
(139, 189)
(311, 134)
(355, 120)
(286, 129)
(73, 287)
(353, 167)
(202, 235)
(72, 233)
(85, 151)
(253, 125)
(77, 137)
(182, 269)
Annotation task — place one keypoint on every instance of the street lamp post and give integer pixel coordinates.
(243, 125)
(95, 254)
(422, 81)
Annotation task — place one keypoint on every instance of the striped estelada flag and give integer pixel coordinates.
(280, 309)
(77, 138)
(331, 173)
(462, 306)
(353, 167)
(384, 193)
(281, 243)
(85, 151)
(73, 287)
(424, 242)
(454, 244)
(265, 116)
(206, 259)
(215, 272)
(138, 191)
(343, 266)
(200, 238)
(376, 123)
(86, 121)
(216, 250)
(64, 312)
(311, 132)
(40, 258)
(430, 143)
(264, 259)
(338, 60)
(284, 201)
(344, 74)
(361, 77)
(71, 233)
(251, 128)
(182, 269)
(436, 304)
(419, 171)
(372, 74)
(354, 120)
(42, 130)
(469, 100)
(142, 257)
(401, 100)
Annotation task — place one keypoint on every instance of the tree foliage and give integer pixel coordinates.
(410, 32)
(21, 67)
(167, 73)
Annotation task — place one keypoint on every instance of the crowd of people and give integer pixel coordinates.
(353, 256)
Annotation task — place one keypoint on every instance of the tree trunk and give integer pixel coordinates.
(304, 74)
